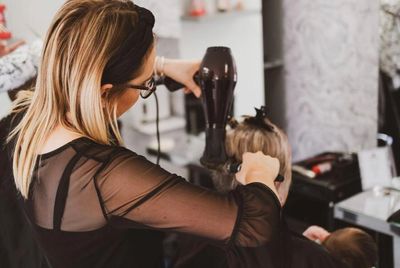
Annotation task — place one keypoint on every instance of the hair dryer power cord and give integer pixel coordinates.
(157, 129)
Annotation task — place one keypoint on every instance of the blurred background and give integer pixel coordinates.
(328, 72)
(326, 55)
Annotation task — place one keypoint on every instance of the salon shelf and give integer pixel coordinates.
(273, 64)
(222, 15)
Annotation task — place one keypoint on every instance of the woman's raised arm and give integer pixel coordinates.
(137, 193)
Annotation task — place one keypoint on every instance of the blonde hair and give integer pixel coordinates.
(84, 47)
(245, 137)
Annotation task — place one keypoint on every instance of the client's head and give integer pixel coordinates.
(352, 246)
(253, 134)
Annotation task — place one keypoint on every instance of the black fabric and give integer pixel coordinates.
(389, 113)
(62, 193)
(288, 250)
(18, 246)
(116, 200)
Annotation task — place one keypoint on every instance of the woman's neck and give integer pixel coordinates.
(57, 138)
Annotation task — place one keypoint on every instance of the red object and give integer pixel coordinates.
(2, 18)
(4, 33)
(322, 168)
(197, 8)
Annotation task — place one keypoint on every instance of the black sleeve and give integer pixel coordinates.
(5, 164)
(141, 193)
(6, 125)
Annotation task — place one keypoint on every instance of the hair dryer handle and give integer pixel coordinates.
(173, 85)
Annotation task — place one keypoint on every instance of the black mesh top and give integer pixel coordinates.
(93, 205)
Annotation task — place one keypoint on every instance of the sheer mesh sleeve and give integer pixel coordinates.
(136, 192)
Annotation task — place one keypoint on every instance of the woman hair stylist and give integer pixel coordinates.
(81, 189)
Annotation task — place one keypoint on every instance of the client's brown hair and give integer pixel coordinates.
(248, 136)
(353, 246)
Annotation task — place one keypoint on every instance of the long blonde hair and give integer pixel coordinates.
(90, 43)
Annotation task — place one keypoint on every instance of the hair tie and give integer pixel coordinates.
(259, 119)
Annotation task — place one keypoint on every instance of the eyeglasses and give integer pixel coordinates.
(146, 89)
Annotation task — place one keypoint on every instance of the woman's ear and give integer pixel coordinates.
(105, 89)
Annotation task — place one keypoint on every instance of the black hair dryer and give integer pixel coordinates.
(217, 79)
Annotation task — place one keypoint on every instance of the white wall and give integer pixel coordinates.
(243, 34)
(25, 18)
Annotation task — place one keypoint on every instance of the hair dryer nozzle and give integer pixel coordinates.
(214, 153)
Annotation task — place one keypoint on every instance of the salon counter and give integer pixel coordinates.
(370, 209)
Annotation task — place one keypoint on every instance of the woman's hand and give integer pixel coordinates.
(316, 233)
(258, 167)
(183, 71)
(7, 49)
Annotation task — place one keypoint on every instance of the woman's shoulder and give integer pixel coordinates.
(113, 161)
(102, 152)
(118, 162)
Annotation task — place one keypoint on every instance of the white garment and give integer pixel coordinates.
(19, 66)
